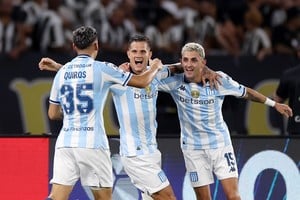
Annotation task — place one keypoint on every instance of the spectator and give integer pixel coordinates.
(12, 37)
(166, 34)
(286, 37)
(49, 32)
(203, 29)
(256, 41)
(97, 12)
(229, 29)
(116, 31)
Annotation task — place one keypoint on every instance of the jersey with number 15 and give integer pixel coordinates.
(200, 110)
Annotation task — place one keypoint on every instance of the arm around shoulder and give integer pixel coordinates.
(144, 79)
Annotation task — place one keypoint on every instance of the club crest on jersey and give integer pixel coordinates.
(195, 93)
(148, 89)
(194, 90)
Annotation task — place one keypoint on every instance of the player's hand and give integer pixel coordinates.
(125, 66)
(175, 67)
(49, 64)
(211, 76)
(156, 63)
(284, 109)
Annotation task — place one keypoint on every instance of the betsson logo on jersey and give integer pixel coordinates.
(144, 96)
(195, 95)
(145, 93)
(196, 101)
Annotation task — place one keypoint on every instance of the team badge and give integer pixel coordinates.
(195, 93)
(148, 89)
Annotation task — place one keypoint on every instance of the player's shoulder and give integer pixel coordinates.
(223, 74)
(105, 64)
(176, 78)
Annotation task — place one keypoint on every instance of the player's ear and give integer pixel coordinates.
(74, 47)
(150, 54)
(96, 45)
(128, 53)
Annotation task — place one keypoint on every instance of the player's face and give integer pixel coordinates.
(139, 54)
(192, 64)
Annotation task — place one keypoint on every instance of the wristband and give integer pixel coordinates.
(270, 102)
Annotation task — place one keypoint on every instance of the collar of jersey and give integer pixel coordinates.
(187, 81)
(83, 55)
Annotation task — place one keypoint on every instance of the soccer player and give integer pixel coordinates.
(289, 88)
(205, 138)
(78, 94)
(136, 110)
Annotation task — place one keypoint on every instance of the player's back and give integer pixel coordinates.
(81, 87)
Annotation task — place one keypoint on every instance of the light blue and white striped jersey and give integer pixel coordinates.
(81, 87)
(136, 110)
(200, 110)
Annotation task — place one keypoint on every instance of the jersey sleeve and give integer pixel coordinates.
(168, 84)
(115, 74)
(163, 73)
(229, 86)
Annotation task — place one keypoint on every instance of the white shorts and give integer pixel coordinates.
(202, 164)
(92, 166)
(145, 172)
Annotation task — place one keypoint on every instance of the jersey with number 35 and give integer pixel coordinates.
(80, 87)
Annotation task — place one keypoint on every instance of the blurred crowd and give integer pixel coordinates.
(223, 27)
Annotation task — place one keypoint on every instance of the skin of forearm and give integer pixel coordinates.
(254, 96)
(58, 66)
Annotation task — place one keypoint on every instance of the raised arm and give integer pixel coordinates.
(49, 64)
(209, 75)
(258, 97)
(139, 81)
(144, 79)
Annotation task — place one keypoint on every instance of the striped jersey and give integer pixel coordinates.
(136, 111)
(200, 110)
(80, 87)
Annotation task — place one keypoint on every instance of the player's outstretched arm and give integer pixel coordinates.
(49, 64)
(258, 97)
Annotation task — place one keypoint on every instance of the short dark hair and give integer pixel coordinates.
(84, 36)
(139, 38)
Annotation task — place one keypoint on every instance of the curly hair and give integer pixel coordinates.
(84, 36)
